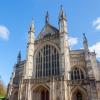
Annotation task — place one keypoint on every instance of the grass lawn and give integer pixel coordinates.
(2, 96)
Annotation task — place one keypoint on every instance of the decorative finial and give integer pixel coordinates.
(84, 37)
(61, 7)
(32, 26)
(19, 57)
(62, 15)
(94, 52)
(47, 18)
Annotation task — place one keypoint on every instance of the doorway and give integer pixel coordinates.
(40, 93)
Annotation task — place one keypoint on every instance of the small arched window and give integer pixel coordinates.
(77, 74)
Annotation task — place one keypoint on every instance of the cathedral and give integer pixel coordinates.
(52, 71)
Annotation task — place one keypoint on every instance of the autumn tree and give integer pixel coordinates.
(2, 89)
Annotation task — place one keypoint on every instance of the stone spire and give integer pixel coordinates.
(88, 59)
(84, 38)
(62, 21)
(19, 57)
(62, 15)
(31, 28)
(85, 42)
(30, 51)
(64, 51)
(47, 18)
(31, 33)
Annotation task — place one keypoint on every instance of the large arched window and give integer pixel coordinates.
(47, 62)
(77, 74)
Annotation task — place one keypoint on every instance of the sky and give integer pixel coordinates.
(83, 16)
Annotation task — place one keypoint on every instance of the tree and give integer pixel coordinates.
(2, 89)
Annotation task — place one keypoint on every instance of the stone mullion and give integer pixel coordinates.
(45, 61)
(38, 68)
(61, 89)
(40, 65)
(42, 62)
(19, 91)
(48, 61)
(73, 75)
(29, 91)
(80, 74)
(51, 60)
(51, 91)
(26, 97)
(55, 64)
(76, 75)
(54, 61)
(45, 95)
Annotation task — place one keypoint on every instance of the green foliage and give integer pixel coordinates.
(2, 90)
(2, 98)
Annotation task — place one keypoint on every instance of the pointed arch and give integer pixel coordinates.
(42, 85)
(14, 95)
(40, 92)
(77, 73)
(23, 93)
(79, 93)
(46, 60)
(42, 45)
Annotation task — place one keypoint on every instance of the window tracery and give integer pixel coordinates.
(47, 62)
(77, 74)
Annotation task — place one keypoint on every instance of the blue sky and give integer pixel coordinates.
(15, 17)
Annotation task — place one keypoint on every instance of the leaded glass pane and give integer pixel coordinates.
(47, 62)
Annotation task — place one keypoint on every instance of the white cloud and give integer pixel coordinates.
(4, 32)
(72, 41)
(96, 48)
(96, 23)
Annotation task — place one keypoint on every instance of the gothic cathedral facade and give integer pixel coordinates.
(51, 70)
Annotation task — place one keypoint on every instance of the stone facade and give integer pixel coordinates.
(52, 71)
